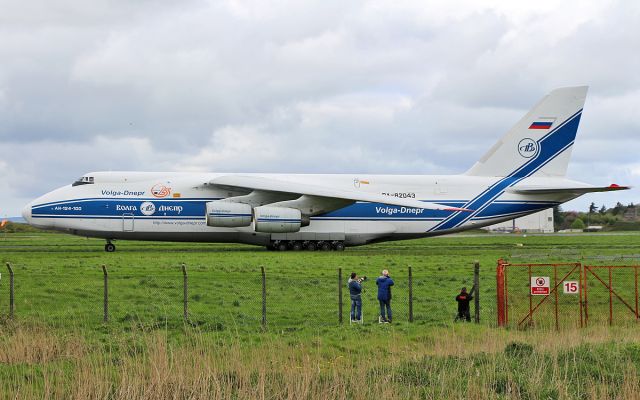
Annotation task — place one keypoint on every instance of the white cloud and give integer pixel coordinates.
(286, 86)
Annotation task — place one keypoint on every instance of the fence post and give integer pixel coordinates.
(11, 287)
(635, 276)
(476, 283)
(500, 293)
(340, 295)
(410, 295)
(105, 304)
(185, 294)
(264, 298)
(555, 285)
(610, 299)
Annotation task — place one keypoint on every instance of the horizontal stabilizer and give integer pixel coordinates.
(565, 190)
(280, 186)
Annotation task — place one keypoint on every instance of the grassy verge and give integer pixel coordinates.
(57, 346)
(452, 362)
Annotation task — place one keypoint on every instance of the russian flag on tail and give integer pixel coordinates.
(542, 123)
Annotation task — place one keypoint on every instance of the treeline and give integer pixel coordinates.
(620, 217)
(12, 227)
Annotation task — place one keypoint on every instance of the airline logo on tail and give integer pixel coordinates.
(528, 148)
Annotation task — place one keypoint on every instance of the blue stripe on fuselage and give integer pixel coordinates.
(118, 207)
(195, 209)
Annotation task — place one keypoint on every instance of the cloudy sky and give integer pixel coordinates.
(306, 86)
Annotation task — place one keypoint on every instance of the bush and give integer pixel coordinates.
(577, 224)
(518, 349)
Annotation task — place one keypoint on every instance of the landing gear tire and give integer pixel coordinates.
(282, 246)
(311, 246)
(296, 246)
(109, 247)
(325, 246)
(338, 246)
(271, 247)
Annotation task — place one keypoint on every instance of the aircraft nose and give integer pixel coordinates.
(26, 213)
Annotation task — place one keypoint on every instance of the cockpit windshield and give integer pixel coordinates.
(83, 180)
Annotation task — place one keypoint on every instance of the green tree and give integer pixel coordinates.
(558, 217)
(603, 209)
(616, 210)
(577, 224)
(592, 208)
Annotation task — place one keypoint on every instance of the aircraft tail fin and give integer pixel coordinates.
(540, 143)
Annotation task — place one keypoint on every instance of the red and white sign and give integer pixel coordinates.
(540, 285)
(570, 287)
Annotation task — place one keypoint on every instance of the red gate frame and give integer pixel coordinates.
(612, 292)
(502, 290)
(503, 301)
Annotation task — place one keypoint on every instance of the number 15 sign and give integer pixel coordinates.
(570, 287)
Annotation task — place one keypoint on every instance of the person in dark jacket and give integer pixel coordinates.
(463, 300)
(384, 296)
(355, 292)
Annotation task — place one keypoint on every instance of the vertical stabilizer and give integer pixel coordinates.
(540, 143)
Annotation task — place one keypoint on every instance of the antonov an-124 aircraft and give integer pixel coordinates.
(521, 174)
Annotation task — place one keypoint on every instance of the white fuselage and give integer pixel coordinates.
(171, 206)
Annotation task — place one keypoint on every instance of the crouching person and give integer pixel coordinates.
(463, 300)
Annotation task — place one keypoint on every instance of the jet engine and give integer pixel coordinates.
(278, 219)
(226, 214)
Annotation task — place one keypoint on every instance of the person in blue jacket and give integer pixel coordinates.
(384, 296)
(355, 292)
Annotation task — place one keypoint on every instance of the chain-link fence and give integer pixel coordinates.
(234, 298)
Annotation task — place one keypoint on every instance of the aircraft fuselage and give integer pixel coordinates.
(171, 207)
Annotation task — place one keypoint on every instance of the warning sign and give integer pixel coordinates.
(540, 285)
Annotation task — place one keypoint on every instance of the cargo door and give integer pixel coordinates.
(127, 222)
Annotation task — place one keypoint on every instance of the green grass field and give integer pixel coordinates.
(58, 346)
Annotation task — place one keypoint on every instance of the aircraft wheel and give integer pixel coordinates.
(325, 246)
(338, 246)
(296, 246)
(109, 247)
(270, 247)
(282, 246)
(311, 246)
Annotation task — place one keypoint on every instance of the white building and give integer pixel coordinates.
(539, 222)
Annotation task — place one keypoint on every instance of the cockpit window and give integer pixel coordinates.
(84, 180)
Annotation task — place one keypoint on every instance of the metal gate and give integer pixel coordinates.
(520, 306)
(611, 294)
(575, 295)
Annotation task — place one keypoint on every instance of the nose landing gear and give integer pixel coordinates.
(109, 247)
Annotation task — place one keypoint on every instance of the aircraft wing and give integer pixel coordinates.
(340, 197)
(561, 190)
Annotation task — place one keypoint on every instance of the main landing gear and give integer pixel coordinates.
(310, 245)
(109, 247)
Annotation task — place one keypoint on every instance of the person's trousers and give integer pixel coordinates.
(356, 308)
(385, 304)
(464, 315)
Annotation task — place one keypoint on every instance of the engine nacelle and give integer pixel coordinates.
(277, 219)
(225, 214)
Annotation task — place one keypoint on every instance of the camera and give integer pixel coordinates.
(362, 279)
